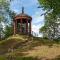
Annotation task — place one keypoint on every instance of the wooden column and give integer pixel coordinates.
(21, 25)
(30, 27)
(14, 26)
(27, 26)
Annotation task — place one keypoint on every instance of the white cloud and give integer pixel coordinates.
(37, 22)
(35, 29)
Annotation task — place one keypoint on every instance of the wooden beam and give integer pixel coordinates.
(27, 26)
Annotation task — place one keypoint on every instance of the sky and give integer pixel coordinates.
(30, 8)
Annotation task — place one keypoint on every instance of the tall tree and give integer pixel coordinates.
(52, 14)
(5, 14)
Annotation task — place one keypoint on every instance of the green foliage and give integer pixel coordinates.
(12, 14)
(1, 18)
(51, 4)
(52, 14)
(26, 58)
(8, 31)
(2, 58)
(6, 16)
(43, 29)
(4, 7)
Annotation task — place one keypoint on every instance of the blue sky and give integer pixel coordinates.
(30, 8)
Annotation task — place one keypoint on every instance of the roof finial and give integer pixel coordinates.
(22, 10)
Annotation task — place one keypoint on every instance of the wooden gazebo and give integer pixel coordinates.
(22, 23)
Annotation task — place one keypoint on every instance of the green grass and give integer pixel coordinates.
(27, 58)
(3, 58)
(14, 41)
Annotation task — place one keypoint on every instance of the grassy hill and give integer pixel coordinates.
(24, 47)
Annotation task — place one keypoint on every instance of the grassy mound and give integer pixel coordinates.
(23, 43)
(20, 46)
(11, 42)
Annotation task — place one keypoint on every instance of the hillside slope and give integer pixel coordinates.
(12, 42)
(24, 46)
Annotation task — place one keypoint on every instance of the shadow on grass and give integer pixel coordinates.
(45, 41)
(31, 58)
(28, 58)
(57, 58)
(42, 58)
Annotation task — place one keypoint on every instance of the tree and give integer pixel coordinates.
(50, 27)
(3, 11)
(6, 16)
(52, 14)
(8, 31)
(49, 5)
(9, 28)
